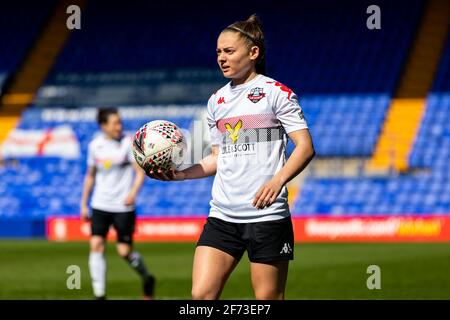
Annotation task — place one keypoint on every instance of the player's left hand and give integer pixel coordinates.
(268, 193)
(130, 200)
(170, 175)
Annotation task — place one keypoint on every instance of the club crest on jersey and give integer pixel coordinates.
(256, 94)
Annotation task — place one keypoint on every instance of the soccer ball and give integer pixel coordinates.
(159, 144)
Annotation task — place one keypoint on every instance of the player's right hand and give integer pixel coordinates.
(84, 213)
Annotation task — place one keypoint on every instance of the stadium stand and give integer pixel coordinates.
(425, 190)
(442, 79)
(375, 58)
(15, 36)
(349, 58)
(345, 83)
(41, 185)
(345, 125)
(54, 185)
(414, 193)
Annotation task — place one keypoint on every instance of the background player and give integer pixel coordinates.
(248, 119)
(111, 168)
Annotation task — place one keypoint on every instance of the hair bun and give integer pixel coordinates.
(253, 19)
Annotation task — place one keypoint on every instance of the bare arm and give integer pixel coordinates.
(88, 184)
(297, 162)
(301, 156)
(137, 184)
(205, 168)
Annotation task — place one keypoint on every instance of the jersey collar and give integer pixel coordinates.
(244, 85)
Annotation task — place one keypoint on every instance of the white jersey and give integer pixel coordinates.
(250, 123)
(114, 172)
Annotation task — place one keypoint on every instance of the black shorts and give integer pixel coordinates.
(267, 241)
(123, 222)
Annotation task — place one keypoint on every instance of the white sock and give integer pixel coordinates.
(137, 263)
(97, 268)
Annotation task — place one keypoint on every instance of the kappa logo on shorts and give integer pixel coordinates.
(256, 94)
(286, 249)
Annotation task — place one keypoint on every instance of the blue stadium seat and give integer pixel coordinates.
(348, 58)
(41, 186)
(16, 37)
(418, 193)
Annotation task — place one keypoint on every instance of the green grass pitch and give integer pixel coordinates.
(36, 269)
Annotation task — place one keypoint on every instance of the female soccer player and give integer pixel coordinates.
(111, 167)
(249, 119)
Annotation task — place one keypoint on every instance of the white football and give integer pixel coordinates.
(159, 144)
